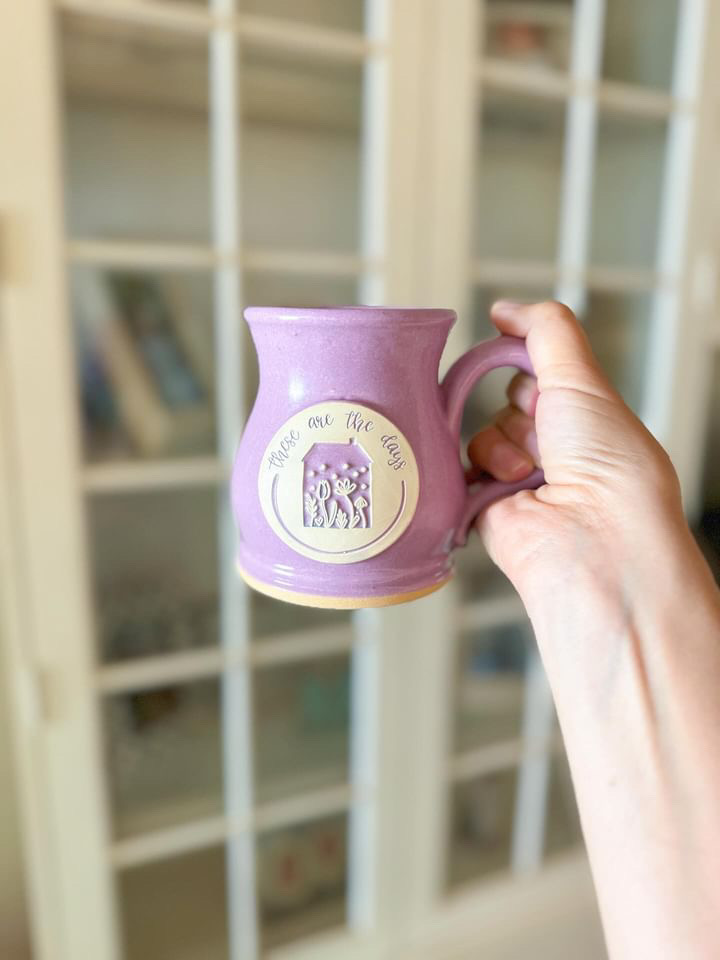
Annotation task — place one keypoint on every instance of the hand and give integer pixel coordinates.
(627, 619)
(608, 481)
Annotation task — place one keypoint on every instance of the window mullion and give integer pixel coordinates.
(230, 366)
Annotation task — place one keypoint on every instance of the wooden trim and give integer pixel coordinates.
(170, 14)
(301, 645)
(546, 83)
(214, 831)
(488, 271)
(579, 160)
(302, 808)
(230, 373)
(627, 280)
(261, 32)
(315, 262)
(144, 673)
(171, 842)
(164, 256)
(295, 36)
(640, 101)
(496, 74)
(488, 759)
(677, 355)
(70, 822)
(120, 477)
(144, 255)
(483, 919)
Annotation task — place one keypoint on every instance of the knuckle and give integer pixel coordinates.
(554, 311)
(499, 513)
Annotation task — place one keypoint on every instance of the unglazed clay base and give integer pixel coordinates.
(337, 603)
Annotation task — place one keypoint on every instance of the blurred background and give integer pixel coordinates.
(194, 772)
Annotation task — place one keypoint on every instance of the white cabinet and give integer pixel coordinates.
(209, 773)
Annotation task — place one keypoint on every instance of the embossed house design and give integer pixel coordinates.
(337, 486)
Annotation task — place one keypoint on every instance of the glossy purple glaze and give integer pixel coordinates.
(387, 359)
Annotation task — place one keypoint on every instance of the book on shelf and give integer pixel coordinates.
(141, 362)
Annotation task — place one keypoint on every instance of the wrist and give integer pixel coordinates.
(637, 575)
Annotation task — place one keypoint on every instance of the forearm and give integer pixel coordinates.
(633, 657)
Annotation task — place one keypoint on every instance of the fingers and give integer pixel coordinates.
(492, 451)
(522, 392)
(519, 429)
(558, 346)
(509, 449)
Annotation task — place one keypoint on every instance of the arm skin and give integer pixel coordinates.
(627, 619)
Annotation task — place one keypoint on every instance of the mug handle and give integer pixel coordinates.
(462, 376)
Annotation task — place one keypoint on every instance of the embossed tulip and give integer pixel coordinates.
(323, 493)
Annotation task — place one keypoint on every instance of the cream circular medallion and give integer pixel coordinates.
(338, 482)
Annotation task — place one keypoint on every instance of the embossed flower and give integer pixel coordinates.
(323, 495)
(360, 504)
(323, 490)
(344, 487)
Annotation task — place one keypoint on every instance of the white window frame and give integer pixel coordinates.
(421, 55)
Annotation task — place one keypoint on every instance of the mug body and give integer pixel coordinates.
(347, 486)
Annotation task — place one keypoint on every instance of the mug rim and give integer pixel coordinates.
(351, 314)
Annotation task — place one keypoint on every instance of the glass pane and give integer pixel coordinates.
(535, 35)
(482, 814)
(338, 14)
(490, 686)
(145, 362)
(709, 533)
(619, 329)
(301, 726)
(562, 827)
(154, 565)
(301, 152)
(175, 909)
(163, 755)
(518, 177)
(302, 881)
(298, 290)
(627, 194)
(640, 41)
(136, 131)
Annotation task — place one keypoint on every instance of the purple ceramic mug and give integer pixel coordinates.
(348, 489)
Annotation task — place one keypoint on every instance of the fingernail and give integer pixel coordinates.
(524, 396)
(508, 463)
(505, 306)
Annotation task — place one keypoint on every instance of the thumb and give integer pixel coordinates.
(557, 344)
